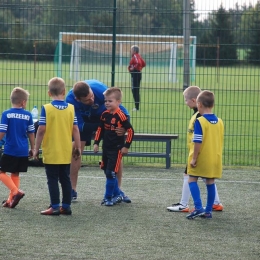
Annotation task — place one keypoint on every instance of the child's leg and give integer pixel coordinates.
(52, 173)
(195, 192)
(185, 196)
(8, 182)
(116, 191)
(64, 177)
(210, 194)
(110, 184)
(16, 180)
(216, 200)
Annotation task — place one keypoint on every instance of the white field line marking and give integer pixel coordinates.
(145, 178)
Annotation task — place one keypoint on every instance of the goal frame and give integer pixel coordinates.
(75, 57)
(68, 37)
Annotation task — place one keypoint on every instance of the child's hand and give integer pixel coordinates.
(95, 148)
(31, 153)
(120, 131)
(76, 153)
(124, 151)
(35, 154)
(193, 163)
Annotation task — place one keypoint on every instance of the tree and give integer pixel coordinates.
(253, 53)
(219, 41)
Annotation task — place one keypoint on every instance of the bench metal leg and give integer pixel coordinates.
(168, 154)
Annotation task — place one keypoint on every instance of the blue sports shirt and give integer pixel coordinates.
(16, 123)
(91, 114)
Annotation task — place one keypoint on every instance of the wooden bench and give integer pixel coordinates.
(167, 138)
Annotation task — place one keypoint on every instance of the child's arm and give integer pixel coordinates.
(97, 139)
(193, 162)
(39, 137)
(76, 153)
(31, 137)
(99, 134)
(129, 138)
(2, 135)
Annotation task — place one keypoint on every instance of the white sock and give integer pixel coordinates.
(216, 201)
(185, 197)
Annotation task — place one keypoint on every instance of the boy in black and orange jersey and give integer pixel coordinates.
(114, 146)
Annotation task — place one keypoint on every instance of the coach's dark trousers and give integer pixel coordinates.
(136, 77)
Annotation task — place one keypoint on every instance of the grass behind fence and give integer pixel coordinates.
(162, 106)
(143, 229)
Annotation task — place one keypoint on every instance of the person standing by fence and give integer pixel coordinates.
(135, 67)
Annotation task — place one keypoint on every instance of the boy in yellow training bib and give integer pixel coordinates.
(205, 155)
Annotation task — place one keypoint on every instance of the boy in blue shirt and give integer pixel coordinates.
(17, 126)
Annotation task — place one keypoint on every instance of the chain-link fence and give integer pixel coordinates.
(80, 40)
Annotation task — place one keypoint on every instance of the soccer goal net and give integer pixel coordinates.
(80, 56)
(85, 53)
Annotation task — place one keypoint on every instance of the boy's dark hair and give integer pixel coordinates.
(114, 91)
(81, 89)
(56, 86)
(135, 48)
(207, 99)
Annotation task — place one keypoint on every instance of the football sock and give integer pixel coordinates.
(16, 179)
(210, 196)
(185, 196)
(116, 191)
(216, 201)
(110, 184)
(8, 182)
(195, 192)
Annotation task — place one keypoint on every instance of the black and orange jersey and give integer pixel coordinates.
(106, 130)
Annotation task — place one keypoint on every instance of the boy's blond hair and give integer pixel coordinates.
(191, 92)
(114, 91)
(18, 95)
(207, 98)
(56, 86)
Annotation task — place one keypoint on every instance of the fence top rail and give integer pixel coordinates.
(154, 136)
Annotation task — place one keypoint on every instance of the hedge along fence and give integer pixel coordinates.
(12, 49)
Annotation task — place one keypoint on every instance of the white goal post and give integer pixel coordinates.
(168, 52)
(88, 51)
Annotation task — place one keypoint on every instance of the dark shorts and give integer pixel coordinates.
(13, 164)
(111, 160)
(88, 131)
